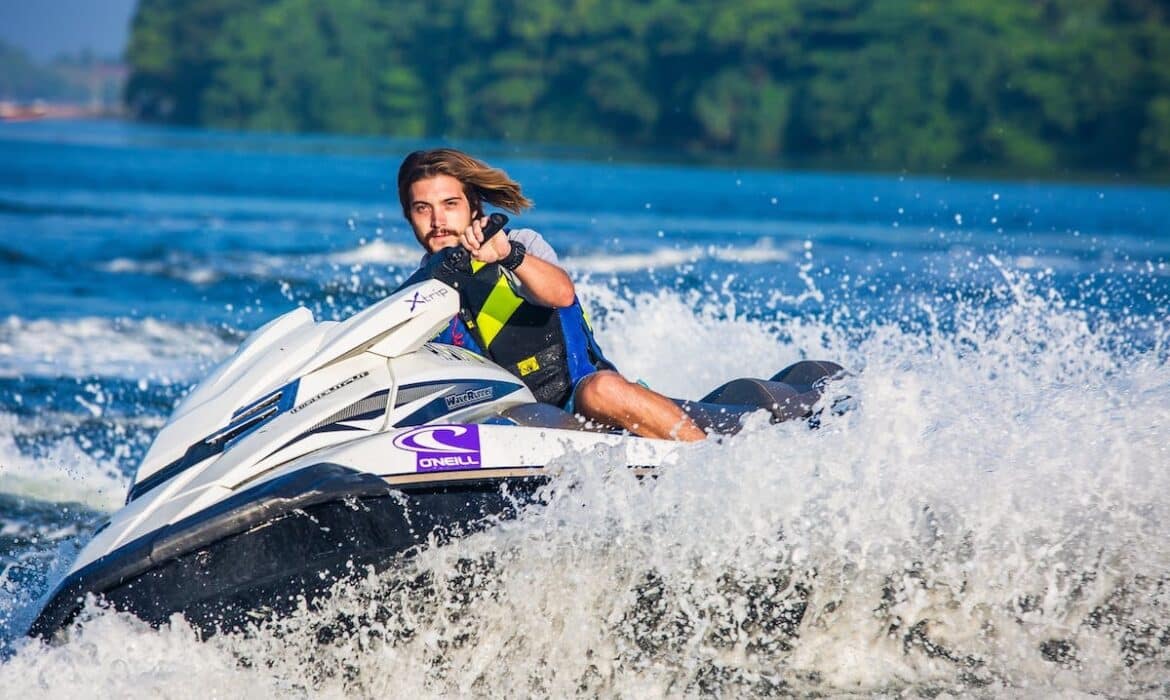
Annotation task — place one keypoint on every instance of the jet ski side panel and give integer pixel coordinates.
(260, 551)
(293, 346)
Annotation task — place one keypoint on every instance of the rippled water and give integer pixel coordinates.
(991, 518)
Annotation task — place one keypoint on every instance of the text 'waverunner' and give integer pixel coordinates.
(320, 449)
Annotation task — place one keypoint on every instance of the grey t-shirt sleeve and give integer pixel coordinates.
(535, 245)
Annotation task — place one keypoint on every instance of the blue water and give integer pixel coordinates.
(1010, 343)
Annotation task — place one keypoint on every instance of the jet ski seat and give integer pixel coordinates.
(541, 415)
(790, 394)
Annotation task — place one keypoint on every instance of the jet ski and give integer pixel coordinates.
(321, 449)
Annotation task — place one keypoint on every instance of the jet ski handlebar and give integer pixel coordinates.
(495, 224)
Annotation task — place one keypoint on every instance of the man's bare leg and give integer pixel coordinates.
(610, 398)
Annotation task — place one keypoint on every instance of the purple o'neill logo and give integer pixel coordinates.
(442, 447)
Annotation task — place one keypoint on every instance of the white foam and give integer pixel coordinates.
(407, 255)
(996, 502)
(378, 252)
(684, 346)
(129, 348)
(198, 271)
(64, 473)
(188, 270)
(633, 262)
(762, 252)
(266, 266)
(118, 656)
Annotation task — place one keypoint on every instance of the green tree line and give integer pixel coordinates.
(1033, 85)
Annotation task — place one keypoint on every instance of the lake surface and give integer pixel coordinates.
(991, 517)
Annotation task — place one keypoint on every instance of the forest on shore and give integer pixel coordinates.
(1029, 86)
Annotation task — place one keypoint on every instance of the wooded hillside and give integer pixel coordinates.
(1030, 85)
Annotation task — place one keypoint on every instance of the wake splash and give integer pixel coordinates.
(990, 516)
(90, 346)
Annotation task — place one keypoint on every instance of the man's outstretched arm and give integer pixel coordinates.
(547, 284)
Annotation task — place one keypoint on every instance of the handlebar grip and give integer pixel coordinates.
(495, 224)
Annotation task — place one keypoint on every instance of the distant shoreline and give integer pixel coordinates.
(36, 110)
(12, 112)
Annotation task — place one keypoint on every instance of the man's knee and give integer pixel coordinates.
(604, 388)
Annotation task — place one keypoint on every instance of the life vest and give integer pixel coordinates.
(549, 349)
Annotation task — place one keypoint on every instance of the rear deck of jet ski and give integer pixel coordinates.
(791, 394)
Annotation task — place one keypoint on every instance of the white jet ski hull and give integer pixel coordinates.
(321, 449)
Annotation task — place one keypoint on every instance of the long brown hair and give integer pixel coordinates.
(481, 182)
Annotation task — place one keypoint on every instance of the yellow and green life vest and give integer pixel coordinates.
(549, 349)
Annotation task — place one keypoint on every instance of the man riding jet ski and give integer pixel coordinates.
(320, 449)
(518, 306)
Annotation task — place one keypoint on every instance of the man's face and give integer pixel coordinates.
(439, 212)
